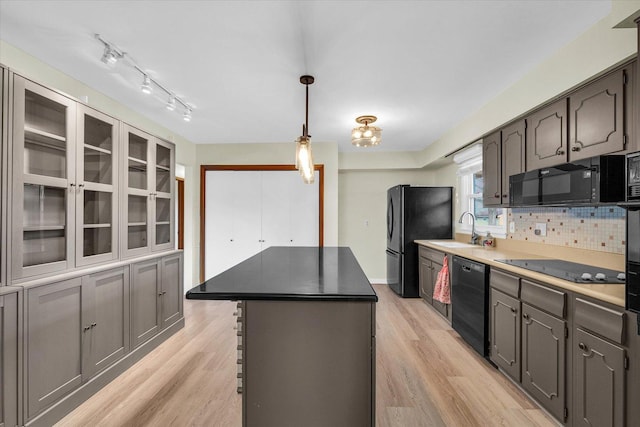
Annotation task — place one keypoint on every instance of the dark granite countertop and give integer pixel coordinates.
(291, 273)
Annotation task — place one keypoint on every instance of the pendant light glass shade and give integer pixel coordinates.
(366, 136)
(304, 159)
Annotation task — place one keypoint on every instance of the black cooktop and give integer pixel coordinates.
(571, 271)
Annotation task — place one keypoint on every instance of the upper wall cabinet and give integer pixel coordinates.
(596, 115)
(44, 185)
(547, 136)
(503, 156)
(147, 193)
(492, 169)
(64, 183)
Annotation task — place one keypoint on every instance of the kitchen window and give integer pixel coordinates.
(470, 186)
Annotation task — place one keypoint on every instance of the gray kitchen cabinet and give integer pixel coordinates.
(171, 300)
(503, 156)
(492, 169)
(505, 327)
(547, 136)
(544, 359)
(599, 381)
(596, 116)
(54, 335)
(4, 167)
(65, 200)
(74, 329)
(156, 296)
(10, 315)
(44, 185)
(148, 189)
(430, 264)
(600, 364)
(513, 154)
(105, 305)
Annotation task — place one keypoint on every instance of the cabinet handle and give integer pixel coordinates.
(513, 310)
(231, 240)
(497, 196)
(575, 148)
(81, 186)
(164, 292)
(525, 316)
(159, 294)
(560, 152)
(86, 328)
(93, 325)
(582, 346)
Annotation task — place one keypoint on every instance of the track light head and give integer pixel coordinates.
(110, 55)
(187, 115)
(171, 103)
(146, 85)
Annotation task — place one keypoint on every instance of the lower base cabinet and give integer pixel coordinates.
(74, 329)
(505, 333)
(156, 296)
(544, 359)
(10, 311)
(430, 264)
(77, 329)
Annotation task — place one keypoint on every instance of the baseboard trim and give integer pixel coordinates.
(67, 404)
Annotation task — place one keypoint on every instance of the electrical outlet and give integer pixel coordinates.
(541, 229)
(512, 226)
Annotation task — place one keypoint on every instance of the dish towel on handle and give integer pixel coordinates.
(442, 289)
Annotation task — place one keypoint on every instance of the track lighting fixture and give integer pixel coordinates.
(112, 55)
(146, 85)
(171, 103)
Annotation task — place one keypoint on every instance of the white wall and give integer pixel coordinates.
(363, 213)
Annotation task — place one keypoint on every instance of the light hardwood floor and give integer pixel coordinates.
(426, 376)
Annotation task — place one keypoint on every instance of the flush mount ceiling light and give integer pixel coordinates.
(112, 55)
(304, 158)
(366, 136)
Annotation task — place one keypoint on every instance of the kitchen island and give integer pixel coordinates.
(306, 338)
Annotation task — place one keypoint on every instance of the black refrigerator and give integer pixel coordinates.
(414, 213)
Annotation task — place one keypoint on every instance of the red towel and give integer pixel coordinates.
(442, 289)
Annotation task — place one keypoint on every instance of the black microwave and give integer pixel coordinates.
(592, 181)
(633, 177)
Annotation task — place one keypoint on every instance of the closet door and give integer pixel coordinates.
(247, 214)
(277, 188)
(218, 222)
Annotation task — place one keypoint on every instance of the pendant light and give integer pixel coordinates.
(304, 157)
(366, 136)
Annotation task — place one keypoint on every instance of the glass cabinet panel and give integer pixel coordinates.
(163, 169)
(96, 210)
(163, 220)
(137, 162)
(43, 180)
(44, 225)
(45, 141)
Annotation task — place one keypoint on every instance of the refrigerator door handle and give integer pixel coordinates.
(390, 218)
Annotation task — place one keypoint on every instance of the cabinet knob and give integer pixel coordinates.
(497, 196)
(525, 316)
(513, 310)
(582, 346)
(93, 325)
(86, 328)
(576, 148)
(560, 152)
(159, 294)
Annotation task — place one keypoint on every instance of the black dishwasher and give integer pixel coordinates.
(470, 302)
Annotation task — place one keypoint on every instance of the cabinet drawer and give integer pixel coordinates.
(547, 299)
(431, 254)
(504, 282)
(601, 320)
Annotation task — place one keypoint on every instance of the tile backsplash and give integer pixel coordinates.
(594, 228)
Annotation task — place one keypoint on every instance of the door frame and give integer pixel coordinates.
(180, 206)
(203, 193)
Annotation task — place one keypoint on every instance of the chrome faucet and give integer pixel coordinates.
(474, 236)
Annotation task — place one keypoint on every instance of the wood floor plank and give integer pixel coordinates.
(426, 376)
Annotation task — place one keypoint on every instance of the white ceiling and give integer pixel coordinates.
(420, 66)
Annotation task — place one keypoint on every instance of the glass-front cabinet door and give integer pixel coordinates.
(162, 200)
(44, 183)
(137, 191)
(97, 172)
